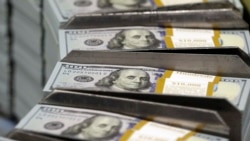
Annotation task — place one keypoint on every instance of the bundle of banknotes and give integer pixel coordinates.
(37, 54)
(146, 80)
(141, 79)
(87, 124)
(64, 9)
(125, 38)
(59, 11)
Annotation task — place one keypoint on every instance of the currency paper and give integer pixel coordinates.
(144, 79)
(67, 8)
(103, 77)
(87, 124)
(125, 38)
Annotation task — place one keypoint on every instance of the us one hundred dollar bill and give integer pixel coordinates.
(86, 124)
(67, 8)
(145, 79)
(103, 77)
(125, 38)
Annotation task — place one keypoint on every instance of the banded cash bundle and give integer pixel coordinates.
(67, 8)
(139, 37)
(87, 124)
(145, 80)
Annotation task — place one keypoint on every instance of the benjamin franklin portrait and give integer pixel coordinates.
(99, 127)
(125, 80)
(134, 39)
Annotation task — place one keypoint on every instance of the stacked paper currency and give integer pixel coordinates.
(151, 80)
(75, 123)
(27, 33)
(99, 39)
(146, 79)
(28, 47)
(121, 38)
(59, 11)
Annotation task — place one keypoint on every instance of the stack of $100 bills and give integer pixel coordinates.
(64, 122)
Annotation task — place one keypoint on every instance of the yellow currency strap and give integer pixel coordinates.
(170, 32)
(126, 135)
(188, 135)
(161, 81)
(216, 38)
(130, 132)
(216, 41)
(168, 42)
(167, 74)
(159, 85)
(140, 124)
(217, 79)
(158, 3)
(210, 89)
(191, 133)
(216, 33)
